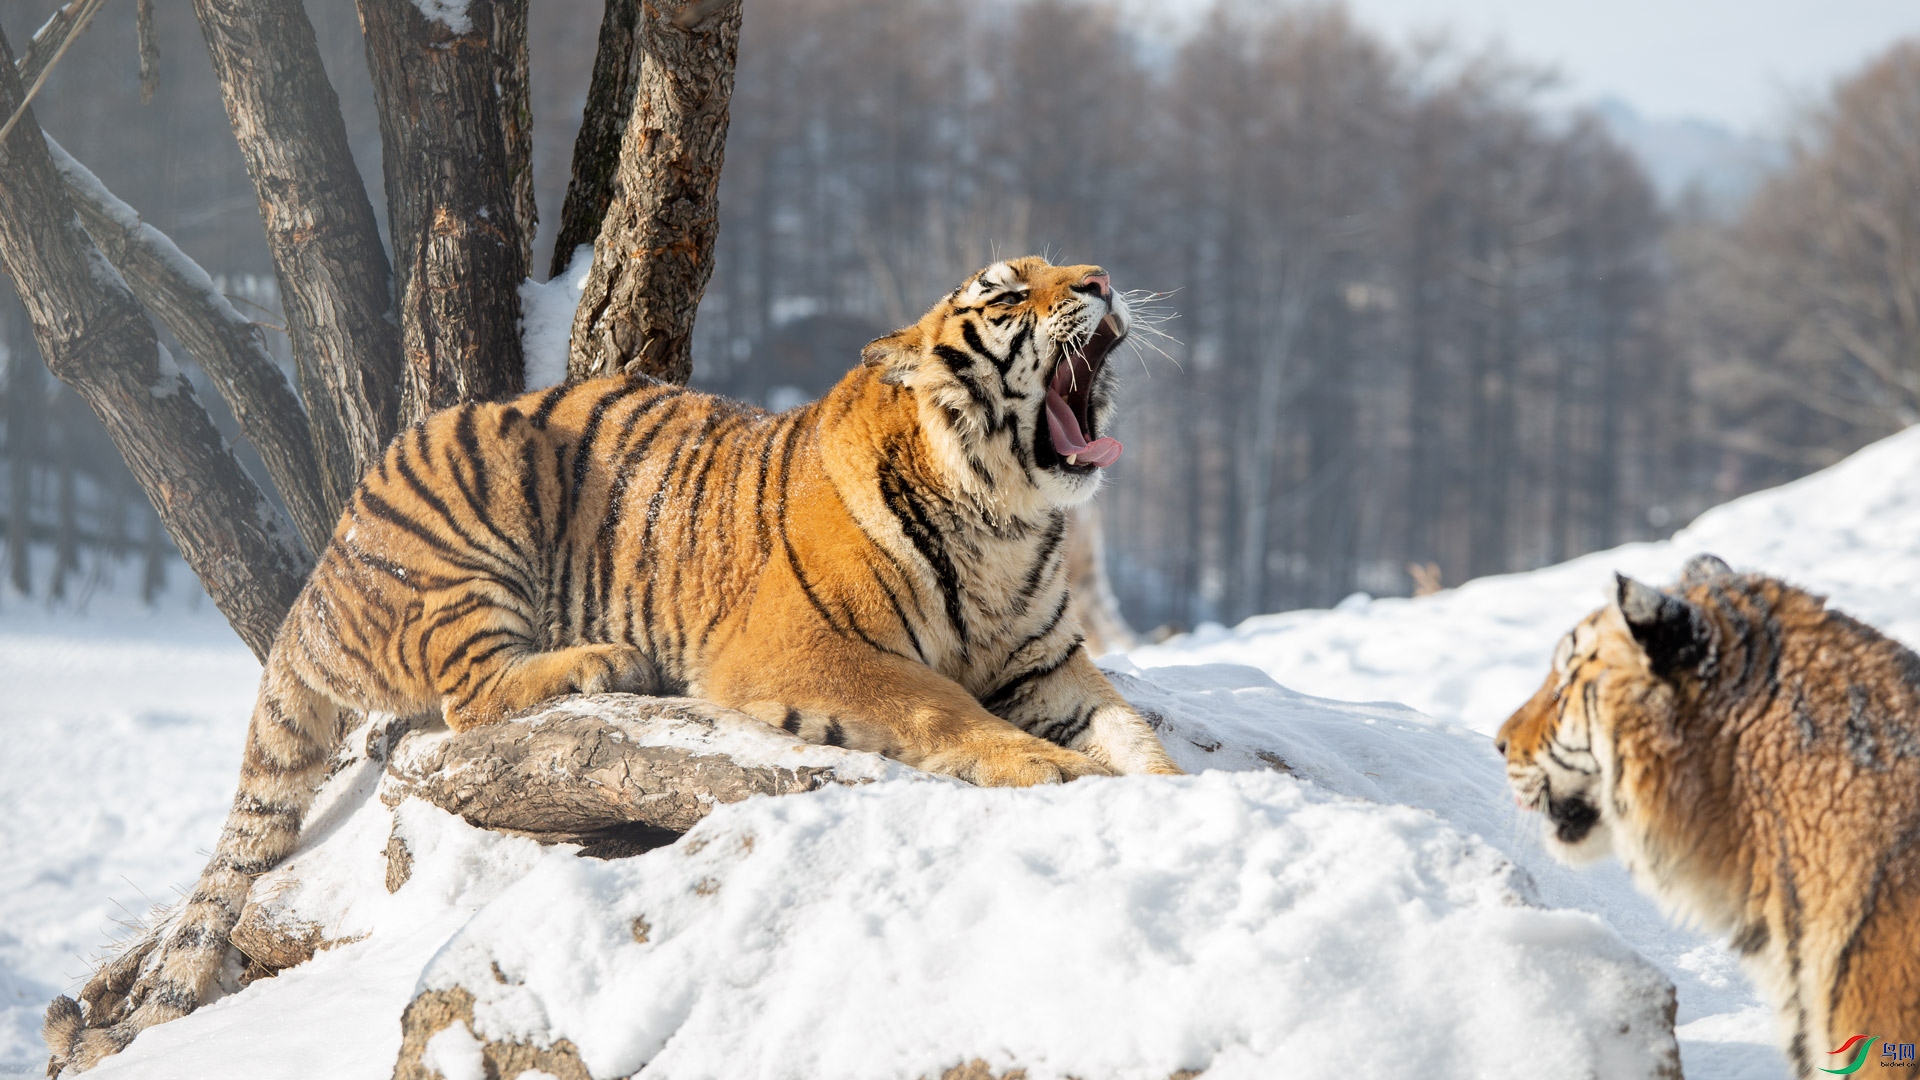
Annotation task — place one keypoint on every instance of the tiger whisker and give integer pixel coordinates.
(1142, 344)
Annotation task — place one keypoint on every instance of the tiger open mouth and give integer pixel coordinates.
(1070, 397)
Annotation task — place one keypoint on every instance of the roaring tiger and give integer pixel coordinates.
(883, 569)
(1753, 757)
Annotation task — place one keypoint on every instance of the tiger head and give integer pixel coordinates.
(1012, 382)
(1586, 748)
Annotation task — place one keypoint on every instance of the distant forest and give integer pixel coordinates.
(1416, 327)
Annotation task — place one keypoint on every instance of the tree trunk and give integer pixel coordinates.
(458, 249)
(66, 524)
(26, 428)
(655, 249)
(512, 78)
(596, 149)
(229, 347)
(97, 340)
(326, 250)
(153, 572)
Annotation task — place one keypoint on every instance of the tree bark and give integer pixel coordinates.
(511, 74)
(596, 149)
(229, 347)
(326, 250)
(655, 248)
(459, 253)
(96, 339)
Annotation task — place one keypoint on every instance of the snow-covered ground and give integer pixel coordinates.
(1364, 910)
(120, 737)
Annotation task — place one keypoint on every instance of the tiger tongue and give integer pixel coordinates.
(1071, 442)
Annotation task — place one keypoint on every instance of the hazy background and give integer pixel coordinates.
(1455, 287)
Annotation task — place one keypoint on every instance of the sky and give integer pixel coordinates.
(1743, 64)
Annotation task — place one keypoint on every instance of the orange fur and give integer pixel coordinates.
(1754, 758)
(882, 569)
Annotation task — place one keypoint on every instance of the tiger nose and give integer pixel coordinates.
(1101, 281)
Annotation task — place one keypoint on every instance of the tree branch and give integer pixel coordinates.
(459, 251)
(326, 250)
(228, 346)
(52, 35)
(655, 248)
(49, 44)
(96, 339)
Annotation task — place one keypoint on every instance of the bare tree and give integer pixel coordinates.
(1802, 318)
(373, 345)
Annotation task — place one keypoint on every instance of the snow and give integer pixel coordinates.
(168, 379)
(1240, 922)
(1342, 882)
(128, 219)
(454, 1053)
(546, 319)
(122, 732)
(450, 13)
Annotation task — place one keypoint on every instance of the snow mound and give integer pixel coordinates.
(1249, 923)
(1237, 923)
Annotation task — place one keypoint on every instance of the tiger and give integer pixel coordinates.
(1753, 757)
(883, 569)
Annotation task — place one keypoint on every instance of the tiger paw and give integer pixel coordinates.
(121, 1000)
(89, 1046)
(614, 669)
(1013, 760)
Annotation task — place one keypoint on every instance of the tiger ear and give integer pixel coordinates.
(896, 355)
(1703, 568)
(1671, 632)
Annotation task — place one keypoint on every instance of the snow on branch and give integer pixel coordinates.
(228, 346)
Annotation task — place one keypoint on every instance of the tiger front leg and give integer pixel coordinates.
(889, 705)
(1073, 704)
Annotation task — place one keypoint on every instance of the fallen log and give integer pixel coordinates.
(611, 762)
